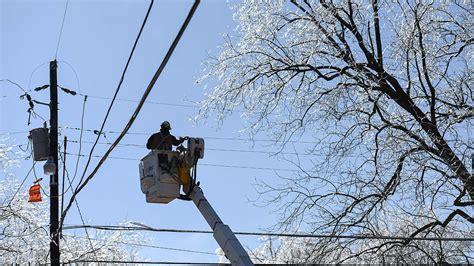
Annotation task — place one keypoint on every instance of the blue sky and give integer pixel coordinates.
(96, 41)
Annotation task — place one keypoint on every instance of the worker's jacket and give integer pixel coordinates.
(162, 141)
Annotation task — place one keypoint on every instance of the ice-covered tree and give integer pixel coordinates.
(24, 227)
(385, 89)
(325, 250)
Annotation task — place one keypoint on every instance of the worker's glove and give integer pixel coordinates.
(183, 138)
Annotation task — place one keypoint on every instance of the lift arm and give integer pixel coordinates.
(162, 186)
(222, 233)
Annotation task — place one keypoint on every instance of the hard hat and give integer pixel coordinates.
(166, 124)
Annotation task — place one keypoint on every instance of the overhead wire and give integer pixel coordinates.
(14, 83)
(208, 149)
(137, 101)
(138, 108)
(117, 90)
(31, 101)
(38, 179)
(151, 246)
(33, 72)
(149, 133)
(75, 74)
(80, 138)
(21, 185)
(165, 230)
(15, 132)
(61, 30)
(202, 164)
(206, 137)
(77, 206)
(132, 101)
(138, 262)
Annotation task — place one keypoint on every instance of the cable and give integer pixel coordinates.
(14, 83)
(162, 230)
(75, 74)
(150, 246)
(85, 229)
(250, 167)
(38, 179)
(75, 200)
(31, 101)
(22, 182)
(117, 90)
(208, 149)
(133, 101)
(14, 133)
(137, 262)
(33, 72)
(204, 164)
(80, 137)
(216, 138)
(137, 110)
(148, 134)
(136, 101)
(61, 31)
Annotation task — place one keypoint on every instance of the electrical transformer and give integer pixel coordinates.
(40, 142)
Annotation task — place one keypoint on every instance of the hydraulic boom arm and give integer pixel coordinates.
(163, 186)
(222, 233)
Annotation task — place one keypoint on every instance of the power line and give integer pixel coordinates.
(201, 164)
(61, 31)
(33, 72)
(137, 110)
(163, 230)
(80, 137)
(112, 102)
(138, 262)
(206, 137)
(30, 100)
(136, 101)
(153, 102)
(77, 204)
(132, 101)
(36, 177)
(208, 149)
(22, 182)
(14, 83)
(15, 132)
(75, 74)
(150, 246)
(249, 167)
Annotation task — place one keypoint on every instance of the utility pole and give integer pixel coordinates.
(53, 153)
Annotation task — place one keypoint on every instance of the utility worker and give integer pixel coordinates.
(163, 140)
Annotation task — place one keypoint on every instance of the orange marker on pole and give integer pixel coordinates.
(35, 193)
